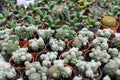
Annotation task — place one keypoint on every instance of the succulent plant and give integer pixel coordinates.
(56, 45)
(80, 42)
(88, 68)
(85, 3)
(20, 56)
(16, 9)
(87, 33)
(105, 33)
(58, 71)
(34, 71)
(97, 12)
(91, 23)
(114, 11)
(99, 55)
(116, 43)
(116, 3)
(46, 34)
(74, 23)
(108, 21)
(7, 73)
(36, 44)
(106, 78)
(9, 45)
(78, 77)
(65, 33)
(5, 33)
(100, 42)
(48, 59)
(71, 56)
(113, 52)
(103, 4)
(60, 11)
(52, 22)
(112, 67)
(25, 33)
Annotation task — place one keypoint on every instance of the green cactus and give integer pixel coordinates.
(116, 43)
(108, 21)
(60, 11)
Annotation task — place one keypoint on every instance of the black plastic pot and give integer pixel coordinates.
(7, 57)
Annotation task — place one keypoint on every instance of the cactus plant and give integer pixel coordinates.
(60, 11)
(7, 73)
(56, 45)
(116, 43)
(88, 69)
(71, 56)
(80, 42)
(108, 21)
(46, 34)
(47, 59)
(25, 33)
(36, 45)
(34, 71)
(20, 56)
(113, 52)
(59, 71)
(65, 33)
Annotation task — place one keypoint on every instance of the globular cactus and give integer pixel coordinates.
(116, 43)
(108, 21)
(60, 11)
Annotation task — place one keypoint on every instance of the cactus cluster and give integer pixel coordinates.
(48, 58)
(105, 33)
(59, 71)
(88, 68)
(99, 55)
(72, 56)
(100, 42)
(86, 33)
(34, 71)
(46, 34)
(65, 33)
(20, 56)
(80, 41)
(56, 45)
(116, 43)
(108, 21)
(36, 44)
(25, 33)
(7, 73)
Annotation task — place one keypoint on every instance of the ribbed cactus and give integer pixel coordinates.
(116, 43)
(108, 21)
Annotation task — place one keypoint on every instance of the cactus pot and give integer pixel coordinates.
(34, 54)
(118, 30)
(22, 43)
(65, 65)
(21, 66)
(6, 57)
(112, 28)
(83, 49)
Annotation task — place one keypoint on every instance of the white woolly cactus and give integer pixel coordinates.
(7, 73)
(46, 34)
(88, 68)
(99, 55)
(36, 44)
(86, 33)
(114, 52)
(101, 42)
(34, 71)
(48, 58)
(112, 68)
(106, 33)
(71, 56)
(25, 33)
(78, 77)
(106, 78)
(21, 55)
(58, 70)
(80, 41)
(56, 45)
(5, 33)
